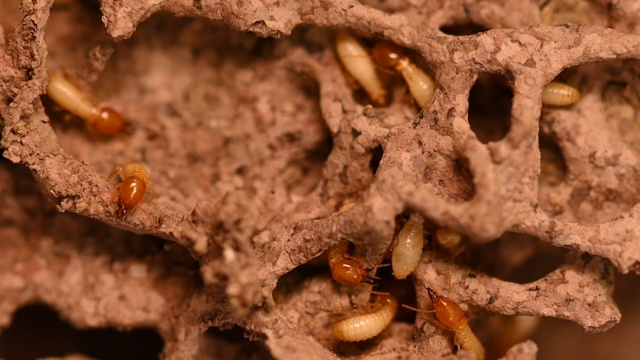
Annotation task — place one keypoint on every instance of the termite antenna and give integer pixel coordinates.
(379, 292)
(416, 309)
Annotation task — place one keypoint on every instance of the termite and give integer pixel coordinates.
(346, 269)
(451, 316)
(133, 188)
(559, 94)
(104, 120)
(450, 240)
(410, 241)
(357, 62)
(365, 327)
(346, 205)
(421, 85)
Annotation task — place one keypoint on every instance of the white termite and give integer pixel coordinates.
(357, 62)
(104, 120)
(559, 94)
(365, 327)
(410, 241)
(421, 85)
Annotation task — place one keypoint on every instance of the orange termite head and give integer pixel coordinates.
(349, 272)
(109, 122)
(448, 312)
(387, 54)
(132, 191)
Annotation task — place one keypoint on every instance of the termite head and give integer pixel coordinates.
(109, 122)
(387, 54)
(131, 192)
(447, 238)
(448, 312)
(349, 272)
(384, 299)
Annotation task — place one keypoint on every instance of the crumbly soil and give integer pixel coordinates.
(255, 138)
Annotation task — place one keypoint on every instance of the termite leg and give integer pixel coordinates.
(116, 170)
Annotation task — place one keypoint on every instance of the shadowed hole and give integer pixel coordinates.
(606, 118)
(451, 177)
(311, 300)
(311, 145)
(577, 12)
(302, 175)
(376, 157)
(37, 331)
(463, 29)
(553, 334)
(61, 120)
(621, 96)
(499, 333)
(387, 6)
(490, 108)
(291, 281)
(233, 343)
(464, 184)
(515, 257)
(553, 168)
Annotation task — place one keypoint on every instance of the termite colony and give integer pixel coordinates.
(406, 251)
(105, 121)
(364, 67)
(436, 255)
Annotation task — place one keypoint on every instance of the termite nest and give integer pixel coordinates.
(367, 179)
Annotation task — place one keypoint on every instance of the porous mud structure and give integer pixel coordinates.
(255, 138)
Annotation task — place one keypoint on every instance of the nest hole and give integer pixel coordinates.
(499, 333)
(233, 343)
(553, 167)
(553, 333)
(311, 300)
(464, 179)
(464, 29)
(404, 291)
(577, 12)
(621, 97)
(37, 331)
(490, 102)
(301, 176)
(289, 283)
(608, 107)
(515, 258)
(389, 7)
(376, 157)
